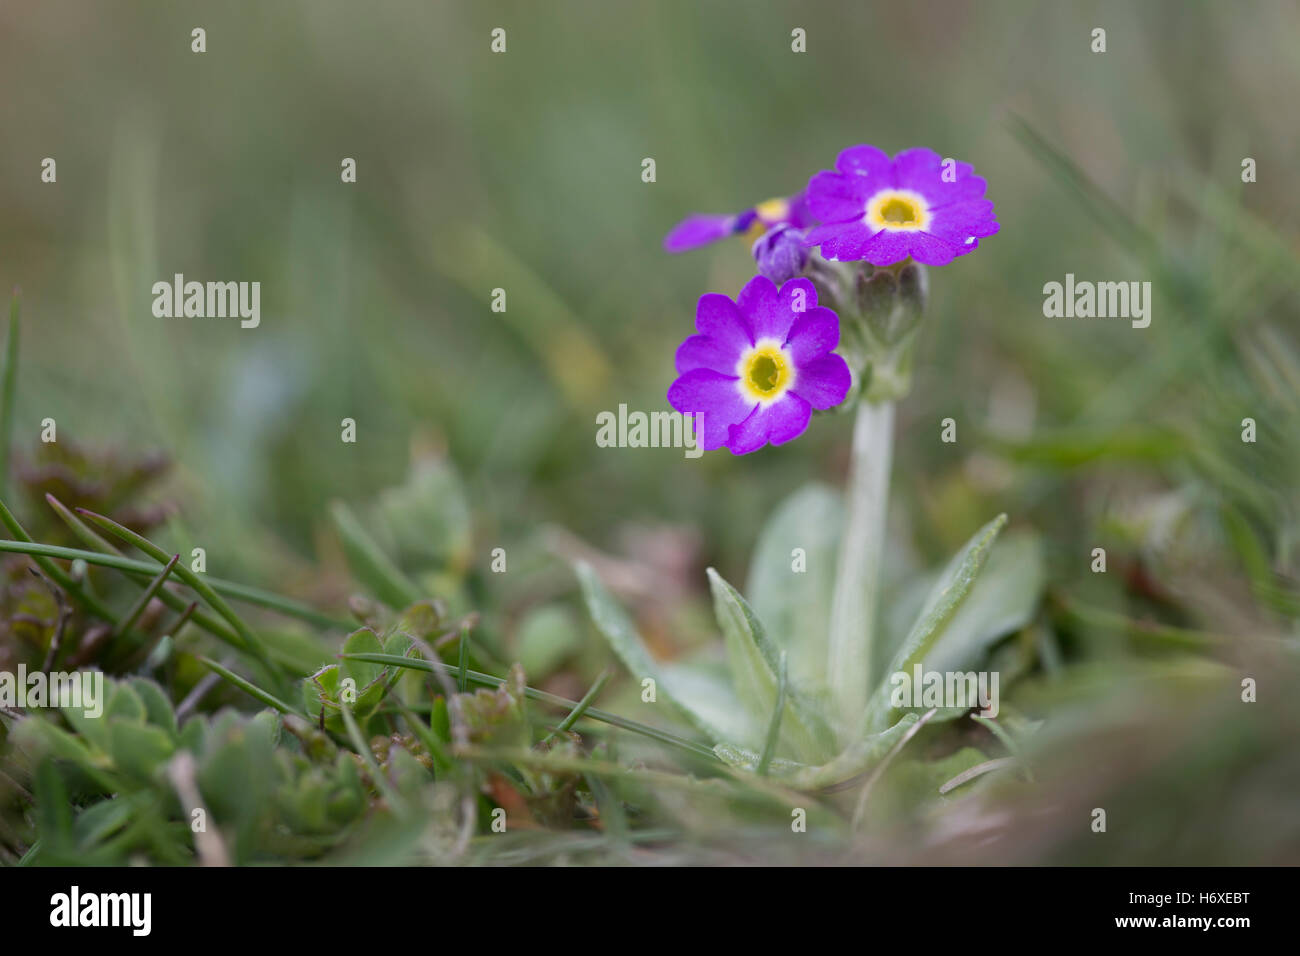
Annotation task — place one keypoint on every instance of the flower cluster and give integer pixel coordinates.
(758, 366)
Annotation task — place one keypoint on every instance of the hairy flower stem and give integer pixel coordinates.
(855, 602)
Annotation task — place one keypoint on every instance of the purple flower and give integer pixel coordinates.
(759, 365)
(884, 210)
(699, 230)
(781, 253)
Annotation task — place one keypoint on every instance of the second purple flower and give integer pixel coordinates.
(884, 210)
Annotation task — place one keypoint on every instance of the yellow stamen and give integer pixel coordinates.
(898, 210)
(765, 372)
(768, 214)
(773, 211)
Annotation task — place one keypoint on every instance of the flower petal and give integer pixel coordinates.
(762, 308)
(715, 399)
(844, 241)
(694, 231)
(917, 167)
(887, 247)
(791, 298)
(959, 221)
(932, 250)
(921, 170)
(823, 382)
(783, 420)
(836, 197)
(867, 161)
(722, 320)
(704, 351)
(800, 217)
(814, 333)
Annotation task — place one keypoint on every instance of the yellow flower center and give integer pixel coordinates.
(773, 211)
(898, 210)
(765, 372)
(768, 214)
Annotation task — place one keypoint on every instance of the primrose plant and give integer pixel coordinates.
(829, 322)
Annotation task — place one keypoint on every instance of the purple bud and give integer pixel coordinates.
(781, 253)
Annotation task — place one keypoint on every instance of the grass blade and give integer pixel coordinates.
(133, 615)
(462, 658)
(85, 532)
(574, 715)
(487, 680)
(250, 688)
(205, 591)
(55, 573)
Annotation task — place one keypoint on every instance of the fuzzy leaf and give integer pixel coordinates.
(718, 724)
(945, 597)
(855, 761)
(795, 605)
(363, 641)
(158, 708)
(1002, 600)
(754, 666)
(138, 749)
(371, 566)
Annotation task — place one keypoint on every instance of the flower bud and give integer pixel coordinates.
(891, 300)
(781, 253)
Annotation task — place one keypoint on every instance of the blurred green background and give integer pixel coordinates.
(522, 171)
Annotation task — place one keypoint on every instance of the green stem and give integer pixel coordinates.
(855, 602)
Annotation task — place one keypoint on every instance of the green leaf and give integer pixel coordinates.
(371, 566)
(544, 638)
(795, 605)
(363, 641)
(945, 597)
(859, 758)
(53, 810)
(94, 730)
(708, 695)
(125, 704)
(425, 523)
(696, 697)
(748, 760)
(41, 738)
(853, 762)
(235, 774)
(319, 688)
(101, 820)
(755, 663)
(158, 708)
(138, 749)
(1003, 600)
(910, 786)
(370, 680)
